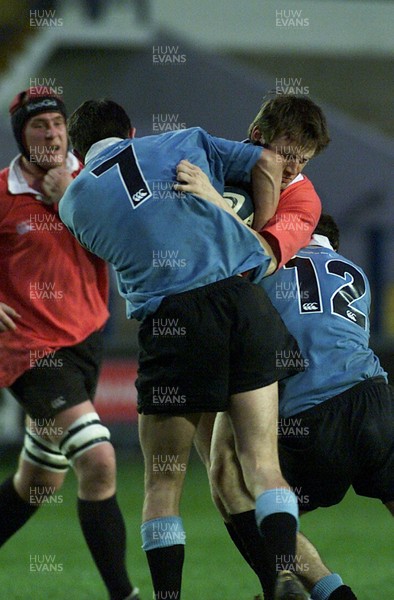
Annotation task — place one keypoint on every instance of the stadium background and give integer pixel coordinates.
(181, 63)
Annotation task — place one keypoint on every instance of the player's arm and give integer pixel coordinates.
(7, 316)
(194, 181)
(294, 222)
(266, 181)
(249, 163)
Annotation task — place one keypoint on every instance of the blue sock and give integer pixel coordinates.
(277, 500)
(162, 532)
(325, 587)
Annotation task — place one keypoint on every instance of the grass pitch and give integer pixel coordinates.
(355, 539)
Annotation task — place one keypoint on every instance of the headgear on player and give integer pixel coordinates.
(28, 104)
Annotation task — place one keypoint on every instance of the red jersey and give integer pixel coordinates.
(59, 288)
(295, 219)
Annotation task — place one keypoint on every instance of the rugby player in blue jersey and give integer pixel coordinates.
(336, 417)
(208, 337)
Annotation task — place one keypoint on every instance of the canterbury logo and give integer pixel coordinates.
(310, 306)
(140, 195)
(351, 315)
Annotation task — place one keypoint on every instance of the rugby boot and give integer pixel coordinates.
(289, 587)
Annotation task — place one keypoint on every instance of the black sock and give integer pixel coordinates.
(165, 565)
(238, 542)
(252, 547)
(279, 532)
(105, 534)
(343, 592)
(14, 511)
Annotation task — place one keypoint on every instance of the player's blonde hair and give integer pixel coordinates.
(296, 117)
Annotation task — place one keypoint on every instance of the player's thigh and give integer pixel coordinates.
(62, 422)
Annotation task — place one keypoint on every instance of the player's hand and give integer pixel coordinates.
(7, 314)
(195, 181)
(55, 183)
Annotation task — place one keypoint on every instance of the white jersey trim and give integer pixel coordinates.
(320, 240)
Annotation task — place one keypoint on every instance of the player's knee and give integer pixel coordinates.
(38, 486)
(41, 470)
(86, 445)
(41, 491)
(96, 470)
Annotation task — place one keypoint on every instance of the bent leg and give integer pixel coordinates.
(22, 495)
(85, 441)
(40, 473)
(228, 482)
(321, 583)
(239, 512)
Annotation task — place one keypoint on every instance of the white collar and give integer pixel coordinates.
(320, 240)
(299, 177)
(99, 146)
(17, 183)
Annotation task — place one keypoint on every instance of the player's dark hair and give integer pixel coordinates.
(296, 117)
(96, 120)
(327, 226)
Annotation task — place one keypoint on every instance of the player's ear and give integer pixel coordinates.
(255, 135)
(132, 131)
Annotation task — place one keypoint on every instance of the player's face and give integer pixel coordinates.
(295, 158)
(45, 137)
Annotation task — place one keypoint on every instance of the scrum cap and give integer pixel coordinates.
(29, 103)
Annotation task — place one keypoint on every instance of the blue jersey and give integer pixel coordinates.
(324, 300)
(123, 208)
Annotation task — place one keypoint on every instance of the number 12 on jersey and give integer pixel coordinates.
(341, 301)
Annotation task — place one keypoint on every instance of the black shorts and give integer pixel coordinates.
(61, 380)
(345, 441)
(203, 345)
